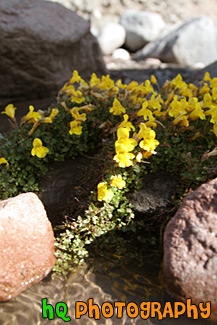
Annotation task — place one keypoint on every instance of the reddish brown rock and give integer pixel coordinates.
(190, 248)
(27, 244)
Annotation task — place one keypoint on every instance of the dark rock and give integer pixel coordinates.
(62, 186)
(198, 75)
(188, 45)
(41, 44)
(141, 75)
(190, 248)
(155, 195)
(27, 244)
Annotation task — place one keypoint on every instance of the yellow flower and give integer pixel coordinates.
(9, 110)
(32, 116)
(148, 87)
(213, 130)
(151, 123)
(3, 161)
(75, 128)
(193, 89)
(132, 86)
(39, 150)
(106, 83)
(141, 155)
(126, 124)
(191, 104)
(181, 119)
(197, 113)
(214, 93)
(170, 97)
(178, 82)
(117, 108)
(124, 143)
(49, 119)
(124, 159)
(155, 102)
(147, 154)
(123, 133)
(213, 112)
(75, 77)
(206, 77)
(153, 79)
(213, 82)
(149, 144)
(204, 89)
(207, 100)
(103, 193)
(118, 181)
(175, 107)
(184, 105)
(145, 132)
(145, 112)
(119, 84)
(136, 99)
(76, 96)
(54, 112)
(76, 115)
(94, 80)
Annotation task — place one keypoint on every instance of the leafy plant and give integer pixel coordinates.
(133, 128)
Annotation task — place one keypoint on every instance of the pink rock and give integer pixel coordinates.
(26, 242)
(190, 248)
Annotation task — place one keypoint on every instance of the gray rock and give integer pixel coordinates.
(155, 194)
(60, 187)
(190, 248)
(191, 44)
(27, 244)
(41, 44)
(111, 37)
(197, 76)
(141, 27)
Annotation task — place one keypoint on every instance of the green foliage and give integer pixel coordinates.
(82, 231)
(133, 129)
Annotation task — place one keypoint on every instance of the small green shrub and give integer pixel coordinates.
(136, 130)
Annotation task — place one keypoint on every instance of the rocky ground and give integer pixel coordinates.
(173, 11)
(100, 12)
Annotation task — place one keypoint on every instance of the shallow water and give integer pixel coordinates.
(104, 279)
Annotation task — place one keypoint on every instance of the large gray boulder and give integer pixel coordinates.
(191, 44)
(41, 44)
(190, 248)
(141, 27)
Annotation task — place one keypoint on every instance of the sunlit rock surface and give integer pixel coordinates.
(27, 244)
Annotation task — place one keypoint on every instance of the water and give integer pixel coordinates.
(106, 277)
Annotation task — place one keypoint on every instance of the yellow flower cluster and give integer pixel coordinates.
(134, 114)
(106, 194)
(75, 125)
(123, 147)
(186, 103)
